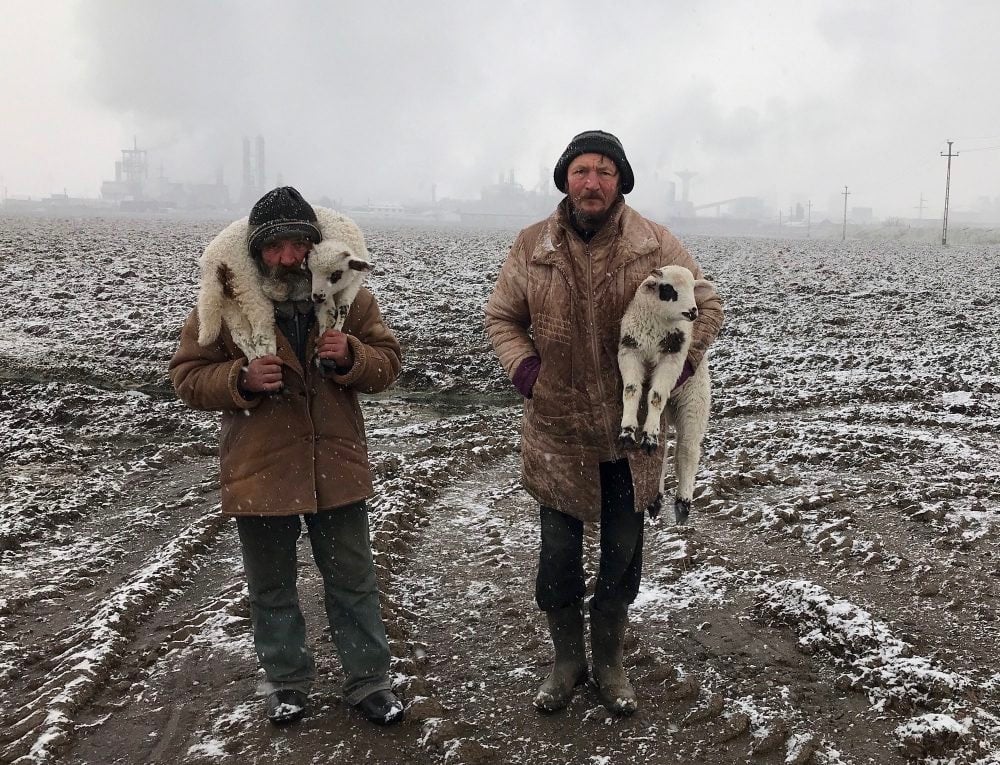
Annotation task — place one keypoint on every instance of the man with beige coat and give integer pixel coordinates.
(553, 319)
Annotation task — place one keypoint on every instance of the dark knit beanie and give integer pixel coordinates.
(281, 213)
(598, 142)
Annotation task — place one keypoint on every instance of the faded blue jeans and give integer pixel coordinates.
(341, 547)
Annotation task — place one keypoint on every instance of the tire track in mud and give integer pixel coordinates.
(79, 661)
(186, 677)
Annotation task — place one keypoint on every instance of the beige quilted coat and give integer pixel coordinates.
(563, 300)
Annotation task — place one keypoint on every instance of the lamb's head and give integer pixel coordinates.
(334, 266)
(669, 291)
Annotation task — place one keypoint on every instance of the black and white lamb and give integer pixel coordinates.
(232, 292)
(339, 265)
(654, 342)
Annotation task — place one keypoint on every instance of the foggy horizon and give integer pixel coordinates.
(391, 101)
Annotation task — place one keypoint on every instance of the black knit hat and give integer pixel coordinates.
(281, 213)
(599, 142)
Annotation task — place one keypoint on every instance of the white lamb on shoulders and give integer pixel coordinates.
(653, 345)
(230, 292)
(339, 265)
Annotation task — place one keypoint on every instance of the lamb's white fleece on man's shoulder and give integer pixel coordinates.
(231, 292)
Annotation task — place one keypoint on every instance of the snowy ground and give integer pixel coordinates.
(835, 599)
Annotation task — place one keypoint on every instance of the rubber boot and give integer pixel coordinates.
(570, 668)
(607, 646)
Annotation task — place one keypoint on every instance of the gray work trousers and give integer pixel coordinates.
(341, 547)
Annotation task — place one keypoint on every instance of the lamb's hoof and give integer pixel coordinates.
(649, 443)
(682, 509)
(627, 437)
(655, 506)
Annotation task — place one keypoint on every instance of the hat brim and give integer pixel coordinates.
(283, 229)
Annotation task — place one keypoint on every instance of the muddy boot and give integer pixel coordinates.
(607, 645)
(570, 668)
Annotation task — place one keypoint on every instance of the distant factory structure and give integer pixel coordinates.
(507, 203)
(254, 172)
(134, 190)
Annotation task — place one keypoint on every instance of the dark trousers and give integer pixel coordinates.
(341, 547)
(560, 581)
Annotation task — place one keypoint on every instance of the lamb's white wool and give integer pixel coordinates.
(339, 265)
(655, 338)
(231, 290)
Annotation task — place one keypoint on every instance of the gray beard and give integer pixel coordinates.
(283, 284)
(588, 223)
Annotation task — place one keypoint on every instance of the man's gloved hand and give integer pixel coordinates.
(526, 374)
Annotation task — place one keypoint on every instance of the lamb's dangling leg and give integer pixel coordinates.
(342, 310)
(665, 374)
(348, 294)
(657, 504)
(328, 315)
(690, 421)
(631, 367)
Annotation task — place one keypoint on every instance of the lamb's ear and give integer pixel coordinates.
(702, 285)
(359, 265)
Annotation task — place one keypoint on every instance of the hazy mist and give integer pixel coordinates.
(382, 100)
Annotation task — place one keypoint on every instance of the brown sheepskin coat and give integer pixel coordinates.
(303, 449)
(563, 300)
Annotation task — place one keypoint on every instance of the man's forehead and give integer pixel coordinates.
(592, 158)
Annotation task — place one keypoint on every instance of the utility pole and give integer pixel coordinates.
(809, 218)
(947, 190)
(843, 235)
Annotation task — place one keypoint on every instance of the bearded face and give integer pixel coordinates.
(283, 268)
(282, 283)
(592, 183)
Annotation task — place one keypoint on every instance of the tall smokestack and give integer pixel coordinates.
(247, 194)
(261, 168)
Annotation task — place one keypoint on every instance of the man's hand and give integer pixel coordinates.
(262, 375)
(333, 346)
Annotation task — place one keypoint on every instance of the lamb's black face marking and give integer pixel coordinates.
(672, 341)
(629, 342)
(335, 277)
(667, 292)
(690, 314)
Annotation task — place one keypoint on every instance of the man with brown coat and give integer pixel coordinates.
(293, 449)
(554, 318)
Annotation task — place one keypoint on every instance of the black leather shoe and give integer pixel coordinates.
(381, 708)
(285, 705)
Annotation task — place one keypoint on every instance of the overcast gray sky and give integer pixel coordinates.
(379, 100)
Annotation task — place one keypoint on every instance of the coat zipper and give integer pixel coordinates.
(594, 349)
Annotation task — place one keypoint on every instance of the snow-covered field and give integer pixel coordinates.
(835, 599)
